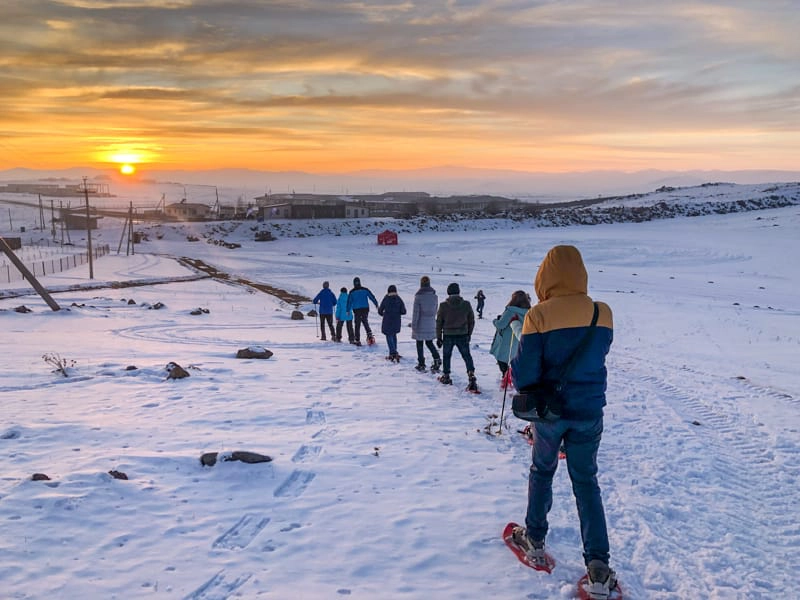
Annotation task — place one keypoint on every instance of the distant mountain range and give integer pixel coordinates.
(440, 181)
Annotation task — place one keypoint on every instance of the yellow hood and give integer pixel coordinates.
(562, 273)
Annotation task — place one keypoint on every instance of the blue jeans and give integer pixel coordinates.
(581, 441)
(462, 343)
(391, 341)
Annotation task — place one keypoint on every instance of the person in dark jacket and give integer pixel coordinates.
(391, 309)
(358, 302)
(551, 331)
(343, 316)
(454, 324)
(326, 300)
(481, 298)
(423, 323)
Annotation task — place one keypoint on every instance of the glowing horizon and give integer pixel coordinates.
(325, 88)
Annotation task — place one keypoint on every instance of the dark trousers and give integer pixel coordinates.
(462, 343)
(329, 320)
(361, 316)
(339, 325)
(421, 351)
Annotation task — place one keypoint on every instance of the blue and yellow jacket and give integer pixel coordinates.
(555, 326)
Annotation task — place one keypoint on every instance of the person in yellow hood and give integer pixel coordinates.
(551, 331)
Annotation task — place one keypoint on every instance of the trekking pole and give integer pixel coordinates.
(500, 425)
(316, 320)
(506, 381)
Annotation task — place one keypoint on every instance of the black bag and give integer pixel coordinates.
(544, 401)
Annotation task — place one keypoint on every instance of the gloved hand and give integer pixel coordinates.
(514, 318)
(439, 342)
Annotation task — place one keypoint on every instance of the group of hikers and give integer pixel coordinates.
(532, 345)
(449, 323)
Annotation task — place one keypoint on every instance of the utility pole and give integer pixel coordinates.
(131, 234)
(88, 230)
(52, 220)
(41, 213)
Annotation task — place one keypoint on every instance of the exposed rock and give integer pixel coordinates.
(199, 311)
(118, 474)
(312, 313)
(175, 371)
(254, 352)
(209, 459)
(40, 477)
(22, 309)
(297, 315)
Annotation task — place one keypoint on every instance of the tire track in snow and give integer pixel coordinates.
(196, 334)
(723, 473)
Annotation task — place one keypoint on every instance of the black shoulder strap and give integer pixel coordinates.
(567, 369)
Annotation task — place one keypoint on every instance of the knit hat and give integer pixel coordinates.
(392, 289)
(356, 282)
(424, 281)
(325, 284)
(343, 290)
(453, 289)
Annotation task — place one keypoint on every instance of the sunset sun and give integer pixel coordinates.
(127, 169)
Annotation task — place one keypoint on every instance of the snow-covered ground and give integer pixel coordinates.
(383, 483)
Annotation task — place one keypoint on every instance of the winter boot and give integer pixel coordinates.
(370, 340)
(601, 580)
(395, 357)
(437, 363)
(420, 367)
(445, 378)
(473, 383)
(533, 549)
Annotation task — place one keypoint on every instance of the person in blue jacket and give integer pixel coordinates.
(326, 300)
(391, 309)
(358, 302)
(551, 331)
(343, 316)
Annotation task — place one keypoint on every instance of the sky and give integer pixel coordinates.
(328, 86)
(384, 483)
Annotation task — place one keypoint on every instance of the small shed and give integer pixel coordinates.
(387, 238)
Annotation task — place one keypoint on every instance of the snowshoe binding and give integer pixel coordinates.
(370, 341)
(421, 367)
(445, 379)
(599, 583)
(529, 552)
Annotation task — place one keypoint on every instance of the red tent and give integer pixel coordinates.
(387, 238)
